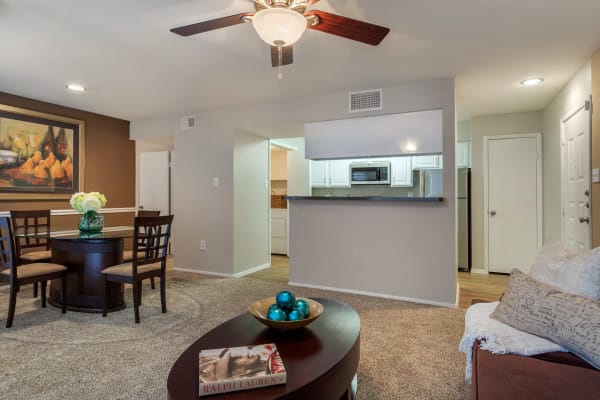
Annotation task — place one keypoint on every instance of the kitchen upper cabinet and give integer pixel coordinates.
(401, 171)
(339, 173)
(427, 162)
(319, 173)
(463, 154)
(330, 173)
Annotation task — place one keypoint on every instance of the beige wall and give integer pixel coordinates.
(396, 249)
(463, 133)
(491, 125)
(298, 168)
(572, 96)
(251, 202)
(595, 66)
(207, 151)
(109, 163)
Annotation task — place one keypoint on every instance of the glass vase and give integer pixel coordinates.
(91, 221)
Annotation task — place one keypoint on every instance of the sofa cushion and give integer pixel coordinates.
(557, 266)
(569, 320)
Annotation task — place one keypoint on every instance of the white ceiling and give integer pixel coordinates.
(134, 68)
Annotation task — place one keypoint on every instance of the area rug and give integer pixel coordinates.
(408, 351)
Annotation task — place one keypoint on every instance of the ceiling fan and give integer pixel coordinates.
(280, 23)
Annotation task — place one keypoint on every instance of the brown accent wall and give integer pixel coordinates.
(596, 147)
(109, 163)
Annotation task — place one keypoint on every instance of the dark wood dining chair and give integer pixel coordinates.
(150, 246)
(17, 275)
(32, 237)
(128, 254)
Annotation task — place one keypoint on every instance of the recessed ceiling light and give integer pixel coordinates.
(75, 87)
(532, 81)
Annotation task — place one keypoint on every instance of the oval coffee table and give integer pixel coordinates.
(321, 360)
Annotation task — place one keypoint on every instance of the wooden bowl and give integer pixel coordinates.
(259, 309)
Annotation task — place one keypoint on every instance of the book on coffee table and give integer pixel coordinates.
(240, 368)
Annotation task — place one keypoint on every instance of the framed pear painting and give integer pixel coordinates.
(41, 155)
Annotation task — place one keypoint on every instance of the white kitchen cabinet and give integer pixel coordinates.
(401, 171)
(339, 173)
(279, 230)
(427, 162)
(330, 173)
(463, 154)
(319, 173)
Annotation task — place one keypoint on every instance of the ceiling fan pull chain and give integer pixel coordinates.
(279, 45)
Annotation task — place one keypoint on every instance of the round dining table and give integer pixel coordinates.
(85, 255)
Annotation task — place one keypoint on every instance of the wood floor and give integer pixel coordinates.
(472, 286)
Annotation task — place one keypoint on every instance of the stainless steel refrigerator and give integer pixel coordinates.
(463, 200)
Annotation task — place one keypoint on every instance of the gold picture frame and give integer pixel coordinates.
(41, 155)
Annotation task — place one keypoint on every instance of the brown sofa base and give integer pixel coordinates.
(546, 376)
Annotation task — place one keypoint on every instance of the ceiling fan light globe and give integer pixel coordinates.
(279, 25)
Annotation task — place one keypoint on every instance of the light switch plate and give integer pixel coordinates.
(596, 175)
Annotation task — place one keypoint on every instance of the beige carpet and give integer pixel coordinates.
(408, 351)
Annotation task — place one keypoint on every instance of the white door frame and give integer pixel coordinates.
(486, 139)
(586, 106)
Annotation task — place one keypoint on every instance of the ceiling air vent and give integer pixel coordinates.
(366, 100)
(188, 122)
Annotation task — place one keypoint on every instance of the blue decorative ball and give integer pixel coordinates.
(276, 314)
(295, 315)
(273, 306)
(302, 306)
(286, 300)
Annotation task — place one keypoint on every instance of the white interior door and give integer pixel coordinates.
(155, 181)
(513, 201)
(575, 130)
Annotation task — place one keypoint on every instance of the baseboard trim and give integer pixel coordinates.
(373, 294)
(200, 272)
(252, 270)
(480, 271)
(223, 275)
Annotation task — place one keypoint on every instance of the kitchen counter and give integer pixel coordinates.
(369, 198)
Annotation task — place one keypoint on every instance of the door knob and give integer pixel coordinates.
(582, 220)
(492, 213)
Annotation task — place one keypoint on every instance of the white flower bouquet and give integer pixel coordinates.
(83, 202)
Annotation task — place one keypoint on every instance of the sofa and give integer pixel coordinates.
(556, 375)
(541, 340)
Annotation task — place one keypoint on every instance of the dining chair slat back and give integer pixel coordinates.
(17, 275)
(149, 259)
(31, 233)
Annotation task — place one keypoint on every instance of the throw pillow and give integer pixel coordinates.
(569, 320)
(557, 266)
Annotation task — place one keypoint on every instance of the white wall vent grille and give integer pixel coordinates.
(366, 100)
(188, 122)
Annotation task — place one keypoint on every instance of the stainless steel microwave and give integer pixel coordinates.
(370, 173)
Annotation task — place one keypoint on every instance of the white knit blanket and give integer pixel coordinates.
(499, 338)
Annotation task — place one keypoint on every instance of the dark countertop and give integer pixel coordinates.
(369, 198)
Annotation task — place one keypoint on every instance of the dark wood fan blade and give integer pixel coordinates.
(213, 24)
(287, 55)
(349, 28)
